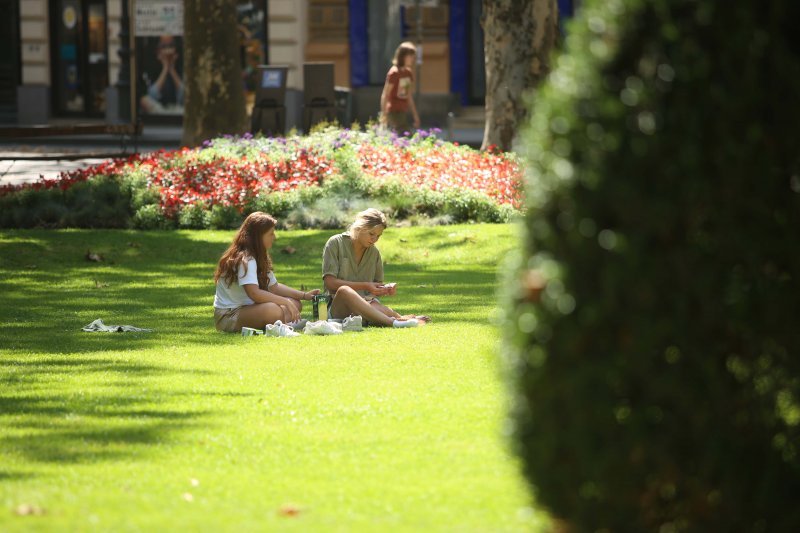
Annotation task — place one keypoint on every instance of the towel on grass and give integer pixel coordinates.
(98, 325)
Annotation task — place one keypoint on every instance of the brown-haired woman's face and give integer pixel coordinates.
(268, 238)
(408, 61)
(369, 236)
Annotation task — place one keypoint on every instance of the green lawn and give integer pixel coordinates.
(193, 429)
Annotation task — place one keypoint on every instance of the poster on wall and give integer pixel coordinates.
(159, 52)
(159, 56)
(252, 17)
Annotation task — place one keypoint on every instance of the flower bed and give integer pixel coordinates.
(331, 169)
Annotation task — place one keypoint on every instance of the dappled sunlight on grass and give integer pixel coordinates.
(396, 428)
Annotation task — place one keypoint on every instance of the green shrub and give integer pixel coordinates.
(277, 204)
(225, 217)
(101, 202)
(151, 216)
(98, 203)
(194, 216)
(657, 374)
(140, 193)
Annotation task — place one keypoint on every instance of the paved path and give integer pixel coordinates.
(21, 171)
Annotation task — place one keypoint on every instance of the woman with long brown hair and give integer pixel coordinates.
(247, 292)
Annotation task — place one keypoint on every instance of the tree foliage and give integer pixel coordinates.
(652, 317)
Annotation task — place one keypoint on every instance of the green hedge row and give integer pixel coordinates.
(113, 202)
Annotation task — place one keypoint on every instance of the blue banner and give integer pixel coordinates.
(359, 48)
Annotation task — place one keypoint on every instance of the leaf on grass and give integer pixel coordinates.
(188, 496)
(194, 482)
(27, 509)
(99, 285)
(289, 510)
(91, 256)
(403, 240)
(288, 250)
(134, 244)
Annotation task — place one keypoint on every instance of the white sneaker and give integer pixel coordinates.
(323, 327)
(279, 329)
(352, 323)
(298, 324)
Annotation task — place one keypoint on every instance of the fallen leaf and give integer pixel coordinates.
(194, 482)
(403, 240)
(188, 496)
(289, 510)
(288, 250)
(27, 509)
(99, 285)
(134, 244)
(91, 256)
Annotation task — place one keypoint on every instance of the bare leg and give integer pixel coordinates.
(259, 315)
(388, 311)
(286, 318)
(348, 302)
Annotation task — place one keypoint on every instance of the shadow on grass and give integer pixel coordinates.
(83, 410)
(164, 281)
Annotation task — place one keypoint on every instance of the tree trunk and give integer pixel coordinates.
(519, 36)
(214, 102)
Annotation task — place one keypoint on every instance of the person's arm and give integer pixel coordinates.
(260, 296)
(413, 107)
(388, 87)
(173, 72)
(282, 290)
(333, 283)
(162, 78)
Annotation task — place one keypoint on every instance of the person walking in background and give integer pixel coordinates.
(397, 98)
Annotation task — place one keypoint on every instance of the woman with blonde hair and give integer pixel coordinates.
(352, 271)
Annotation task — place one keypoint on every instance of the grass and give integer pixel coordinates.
(193, 429)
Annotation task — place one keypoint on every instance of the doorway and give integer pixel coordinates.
(477, 69)
(9, 59)
(79, 57)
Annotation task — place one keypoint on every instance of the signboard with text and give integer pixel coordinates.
(159, 17)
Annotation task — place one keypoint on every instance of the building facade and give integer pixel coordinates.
(59, 59)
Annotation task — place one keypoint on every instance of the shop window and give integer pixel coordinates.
(79, 56)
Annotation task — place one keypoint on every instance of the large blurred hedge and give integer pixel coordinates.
(656, 375)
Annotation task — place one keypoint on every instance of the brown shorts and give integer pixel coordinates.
(226, 319)
(398, 121)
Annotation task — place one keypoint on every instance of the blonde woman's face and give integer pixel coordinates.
(268, 238)
(369, 236)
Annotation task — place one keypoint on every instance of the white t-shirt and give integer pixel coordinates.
(233, 295)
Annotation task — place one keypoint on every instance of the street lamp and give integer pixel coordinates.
(124, 78)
